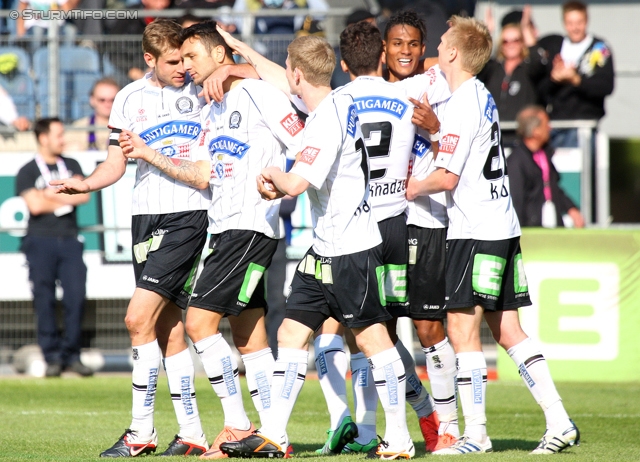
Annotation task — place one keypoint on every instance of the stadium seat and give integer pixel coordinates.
(79, 69)
(24, 59)
(22, 91)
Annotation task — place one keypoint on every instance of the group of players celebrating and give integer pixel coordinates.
(412, 216)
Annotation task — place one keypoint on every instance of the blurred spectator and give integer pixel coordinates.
(9, 115)
(276, 48)
(534, 181)
(511, 77)
(189, 20)
(53, 249)
(579, 73)
(435, 20)
(128, 60)
(101, 100)
(340, 77)
(37, 28)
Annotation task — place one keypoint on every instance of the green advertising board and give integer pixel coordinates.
(585, 289)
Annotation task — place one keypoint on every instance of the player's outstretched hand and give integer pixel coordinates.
(233, 42)
(212, 86)
(423, 115)
(133, 147)
(267, 189)
(70, 186)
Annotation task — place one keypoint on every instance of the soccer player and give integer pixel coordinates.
(340, 275)
(386, 117)
(169, 226)
(484, 269)
(426, 221)
(254, 127)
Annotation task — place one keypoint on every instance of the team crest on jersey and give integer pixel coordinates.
(309, 154)
(448, 143)
(223, 170)
(235, 119)
(391, 106)
(293, 124)
(352, 120)
(184, 105)
(490, 108)
(420, 146)
(174, 128)
(228, 145)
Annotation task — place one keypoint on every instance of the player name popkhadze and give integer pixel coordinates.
(392, 106)
(182, 129)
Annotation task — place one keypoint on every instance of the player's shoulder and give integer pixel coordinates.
(133, 87)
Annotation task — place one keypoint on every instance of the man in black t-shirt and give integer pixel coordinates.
(53, 250)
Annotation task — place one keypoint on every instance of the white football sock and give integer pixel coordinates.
(331, 364)
(535, 373)
(365, 398)
(146, 365)
(180, 375)
(289, 374)
(259, 372)
(388, 373)
(222, 370)
(417, 395)
(472, 385)
(441, 367)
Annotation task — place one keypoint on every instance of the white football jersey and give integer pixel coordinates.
(480, 205)
(168, 120)
(334, 161)
(252, 128)
(385, 118)
(427, 211)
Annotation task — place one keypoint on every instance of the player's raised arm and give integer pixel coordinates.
(105, 174)
(195, 174)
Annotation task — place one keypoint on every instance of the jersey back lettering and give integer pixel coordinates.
(334, 161)
(385, 119)
(168, 120)
(480, 206)
(252, 128)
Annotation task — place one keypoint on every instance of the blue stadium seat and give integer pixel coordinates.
(79, 69)
(22, 91)
(24, 59)
(82, 83)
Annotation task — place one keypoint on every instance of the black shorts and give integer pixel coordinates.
(166, 252)
(486, 273)
(345, 287)
(427, 252)
(231, 279)
(395, 255)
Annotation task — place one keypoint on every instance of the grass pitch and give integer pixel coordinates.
(73, 419)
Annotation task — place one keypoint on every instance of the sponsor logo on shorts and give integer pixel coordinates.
(448, 143)
(309, 154)
(430, 307)
(293, 124)
(150, 279)
(347, 316)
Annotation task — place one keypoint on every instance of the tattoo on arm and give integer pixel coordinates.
(184, 171)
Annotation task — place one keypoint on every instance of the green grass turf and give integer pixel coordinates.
(73, 419)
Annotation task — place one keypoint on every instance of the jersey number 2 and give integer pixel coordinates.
(378, 139)
(490, 170)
